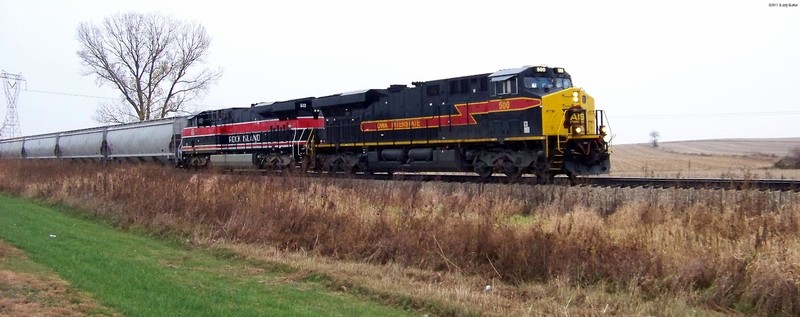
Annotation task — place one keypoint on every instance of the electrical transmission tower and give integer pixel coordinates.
(11, 85)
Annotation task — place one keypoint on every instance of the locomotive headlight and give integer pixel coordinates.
(603, 130)
(578, 130)
(575, 97)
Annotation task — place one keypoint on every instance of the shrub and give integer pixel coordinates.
(791, 161)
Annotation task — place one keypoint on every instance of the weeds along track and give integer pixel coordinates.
(732, 249)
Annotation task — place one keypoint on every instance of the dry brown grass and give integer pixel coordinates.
(547, 249)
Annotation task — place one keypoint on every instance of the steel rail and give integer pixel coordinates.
(697, 183)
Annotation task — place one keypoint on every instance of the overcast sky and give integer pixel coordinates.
(690, 70)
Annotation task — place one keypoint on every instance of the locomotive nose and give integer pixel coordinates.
(574, 97)
(578, 112)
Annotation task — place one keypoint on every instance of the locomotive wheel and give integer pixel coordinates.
(261, 161)
(350, 170)
(304, 165)
(513, 173)
(332, 169)
(337, 166)
(342, 167)
(573, 180)
(319, 166)
(546, 179)
(484, 171)
(543, 175)
(360, 167)
(195, 163)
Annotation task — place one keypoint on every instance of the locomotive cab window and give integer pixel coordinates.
(563, 83)
(505, 85)
(538, 82)
(533, 83)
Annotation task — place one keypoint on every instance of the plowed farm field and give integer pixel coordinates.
(728, 158)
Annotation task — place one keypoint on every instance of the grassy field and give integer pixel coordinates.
(543, 250)
(28, 288)
(139, 276)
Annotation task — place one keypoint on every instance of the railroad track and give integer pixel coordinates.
(620, 182)
(708, 183)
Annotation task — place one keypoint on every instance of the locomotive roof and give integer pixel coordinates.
(358, 96)
(277, 106)
(509, 72)
(354, 92)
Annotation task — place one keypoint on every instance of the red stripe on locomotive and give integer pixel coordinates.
(465, 116)
(252, 127)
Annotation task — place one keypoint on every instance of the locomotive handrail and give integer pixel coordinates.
(558, 133)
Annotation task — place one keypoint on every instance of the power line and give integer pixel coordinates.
(66, 94)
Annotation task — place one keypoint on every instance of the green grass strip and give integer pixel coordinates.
(141, 276)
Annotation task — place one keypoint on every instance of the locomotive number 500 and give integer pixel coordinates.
(504, 105)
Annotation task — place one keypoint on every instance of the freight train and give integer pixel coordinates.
(527, 120)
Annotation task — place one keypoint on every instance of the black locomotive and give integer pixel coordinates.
(516, 121)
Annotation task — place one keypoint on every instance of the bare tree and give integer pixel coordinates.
(654, 138)
(151, 59)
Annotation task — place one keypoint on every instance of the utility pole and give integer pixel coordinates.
(11, 85)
